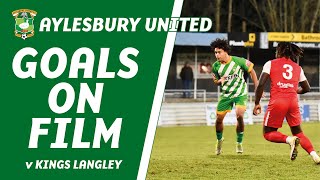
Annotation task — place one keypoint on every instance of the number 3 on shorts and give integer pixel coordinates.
(288, 73)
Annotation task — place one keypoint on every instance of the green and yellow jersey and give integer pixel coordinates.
(235, 84)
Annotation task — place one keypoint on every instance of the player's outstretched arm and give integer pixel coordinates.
(258, 93)
(262, 81)
(254, 78)
(304, 88)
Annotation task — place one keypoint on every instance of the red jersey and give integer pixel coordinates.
(285, 76)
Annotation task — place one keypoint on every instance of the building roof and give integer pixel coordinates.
(197, 39)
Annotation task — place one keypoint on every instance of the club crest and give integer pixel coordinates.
(24, 27)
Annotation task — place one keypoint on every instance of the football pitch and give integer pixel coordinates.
(189, 153)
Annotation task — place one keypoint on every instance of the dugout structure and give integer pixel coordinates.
(257, 47)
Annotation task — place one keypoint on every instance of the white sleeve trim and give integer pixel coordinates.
(267, 67)
(302, 76)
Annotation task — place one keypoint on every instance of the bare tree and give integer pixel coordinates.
(229, 15)
(285, 16)
(292, 15)
(281, 14)
(271, 14)
(255, 5)
(243, 14)
(315, 16)
(303, 19)
(255, 15)
(217, 15)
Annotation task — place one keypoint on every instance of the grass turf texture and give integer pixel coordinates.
(189, 153)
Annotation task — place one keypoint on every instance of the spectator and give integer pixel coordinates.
(186, 76)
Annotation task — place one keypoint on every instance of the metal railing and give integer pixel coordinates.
(214, 96)
(178, 93)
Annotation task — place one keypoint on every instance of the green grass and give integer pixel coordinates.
(188, 153)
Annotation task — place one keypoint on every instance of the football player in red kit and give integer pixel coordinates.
(285, 75)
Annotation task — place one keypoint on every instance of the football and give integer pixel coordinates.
(24, 36)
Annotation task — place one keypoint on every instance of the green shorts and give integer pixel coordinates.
(226, 104)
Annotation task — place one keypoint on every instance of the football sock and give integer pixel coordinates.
(275, 136)
(219, 135)
(313, 154)
(239, 137)
(305, 142)
(289, 139)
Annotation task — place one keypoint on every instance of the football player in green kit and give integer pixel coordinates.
(228, 72)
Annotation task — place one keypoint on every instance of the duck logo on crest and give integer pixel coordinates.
(24, 27)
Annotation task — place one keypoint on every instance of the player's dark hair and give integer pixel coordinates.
(289, 50)
(221, 44)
